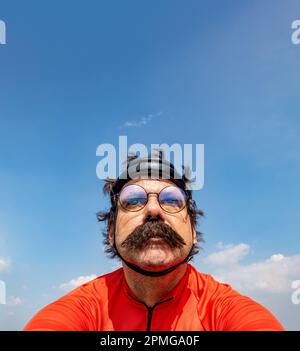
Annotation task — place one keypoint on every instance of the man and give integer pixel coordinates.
(152, 229)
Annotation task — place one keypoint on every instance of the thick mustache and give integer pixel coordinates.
(140, 237)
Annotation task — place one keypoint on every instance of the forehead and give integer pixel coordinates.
(151, 185)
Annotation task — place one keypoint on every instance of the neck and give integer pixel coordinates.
(151, 290)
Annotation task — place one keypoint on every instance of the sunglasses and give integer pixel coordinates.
(171, 199)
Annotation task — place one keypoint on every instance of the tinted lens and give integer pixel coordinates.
(172, 199)
(133, 198)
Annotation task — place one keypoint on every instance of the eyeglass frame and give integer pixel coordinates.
(187, 197)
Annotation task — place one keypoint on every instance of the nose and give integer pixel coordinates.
(152, 208)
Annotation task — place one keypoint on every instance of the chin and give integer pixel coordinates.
(158, 259)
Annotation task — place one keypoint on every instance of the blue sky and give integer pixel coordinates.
(76, 75)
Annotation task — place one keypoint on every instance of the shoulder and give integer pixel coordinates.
(79, 309)
(201, 282)
(223, 308)
(99, 286)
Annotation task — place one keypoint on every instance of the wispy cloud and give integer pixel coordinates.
(76, 282)
(228, 254)
(142, 121)
(14, 301)
(4, 264)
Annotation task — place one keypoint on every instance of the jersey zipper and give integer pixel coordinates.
(150, 312)
(150, 309)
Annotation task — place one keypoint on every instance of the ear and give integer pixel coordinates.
(194, 236)
(111, 233)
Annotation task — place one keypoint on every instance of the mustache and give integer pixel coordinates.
(141, 235)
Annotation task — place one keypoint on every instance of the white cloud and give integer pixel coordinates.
(4, 264)
(142, 121)
(14, 301)
(74, 283)
(271, 275)
(276, 258)
(228, 254)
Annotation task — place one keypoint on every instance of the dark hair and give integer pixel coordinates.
(110, 215)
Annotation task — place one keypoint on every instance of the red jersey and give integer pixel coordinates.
(198, 302)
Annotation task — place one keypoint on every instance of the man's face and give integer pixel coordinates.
(155, 253)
